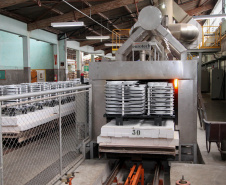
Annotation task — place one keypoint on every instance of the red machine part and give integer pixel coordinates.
(135, 177)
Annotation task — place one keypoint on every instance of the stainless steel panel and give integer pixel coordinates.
(98, 107)
(187, 111)
(143, 70)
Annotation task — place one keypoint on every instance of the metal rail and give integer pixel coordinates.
(159, 175)
(17, 96)
(201, 109)
(115, 171)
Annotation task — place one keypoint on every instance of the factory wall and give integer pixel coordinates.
(40, 53)
(41, 57)
(18, 62)
(11, 51)
(11, 58)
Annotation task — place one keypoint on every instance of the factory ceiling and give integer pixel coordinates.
(112, 14)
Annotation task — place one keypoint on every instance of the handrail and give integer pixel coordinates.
(201, 109)
(18, 96)
(214, 122)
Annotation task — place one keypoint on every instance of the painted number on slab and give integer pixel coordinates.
(136, 132)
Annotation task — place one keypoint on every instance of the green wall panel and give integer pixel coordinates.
(11, 51)
(41, 55)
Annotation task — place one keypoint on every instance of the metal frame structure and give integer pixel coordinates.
(184, 71)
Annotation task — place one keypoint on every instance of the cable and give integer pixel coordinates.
(88, 16)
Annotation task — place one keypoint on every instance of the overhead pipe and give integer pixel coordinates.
(167, 9)
(185, 33)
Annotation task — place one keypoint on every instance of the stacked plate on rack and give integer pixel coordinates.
(160, 97)
(125, 97)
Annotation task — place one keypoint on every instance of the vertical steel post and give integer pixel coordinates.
(90, 112)
(60, 136)
(133, 55)
(1, 147)
(200, 71)
(223, 6)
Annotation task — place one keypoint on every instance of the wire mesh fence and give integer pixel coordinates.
(41, 135)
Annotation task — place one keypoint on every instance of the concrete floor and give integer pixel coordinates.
(212, 172)
(92, 172)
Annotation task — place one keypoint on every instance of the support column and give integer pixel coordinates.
(199, 71)
(183, 56)
(92, 58)
(26, 60)
(63, 71)
(79, 62)
(56, 61)
(168, 10)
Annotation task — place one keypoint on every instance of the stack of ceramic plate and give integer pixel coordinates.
(35, 87)
(125, 97)
(2, 90)
(13, 90)
(160, 97)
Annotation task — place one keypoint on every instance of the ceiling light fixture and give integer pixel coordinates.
(213, 16)
(163, 6)
(67, 24)
(97, 37)
(113, 44)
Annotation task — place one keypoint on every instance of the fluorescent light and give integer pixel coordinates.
(97, 37)
(113, 44)
(67, 24)
(163, 6)
(213, 16)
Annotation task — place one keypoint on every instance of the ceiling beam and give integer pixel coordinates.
(93, 31)
(131, 13)
(15, 16)
(7, 3)
(186, 2)
(101, 47)
(106, 18)
(200, 9)
(100, 14)
(109, 50)
(74, 16)
(53, 30)
(199, 3)
(53, 9)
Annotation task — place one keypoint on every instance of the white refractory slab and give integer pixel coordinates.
(139, 129)
(141, 142)
(30, 120)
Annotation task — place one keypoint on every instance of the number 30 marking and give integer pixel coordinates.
(136, 132)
